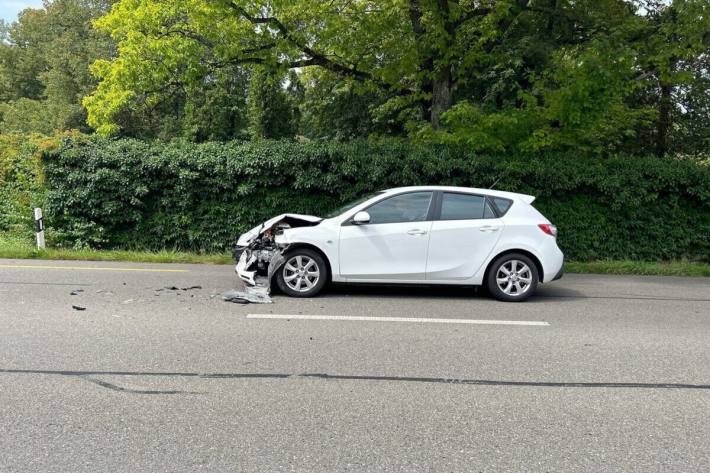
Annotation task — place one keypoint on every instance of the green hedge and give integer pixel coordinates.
(22, 182)
(131, 194)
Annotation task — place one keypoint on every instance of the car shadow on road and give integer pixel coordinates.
(438, 292)
(544, 294)
(404, 291)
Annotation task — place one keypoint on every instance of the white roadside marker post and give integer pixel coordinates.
(39, 228)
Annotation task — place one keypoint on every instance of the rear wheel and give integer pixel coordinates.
(512, 278)
(303, 274)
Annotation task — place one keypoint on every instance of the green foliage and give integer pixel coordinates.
(270, 112)
(591, 76)
(344, 109)
(600, 76)
(674, 49)
(580, 103)
(164, 46)
(129, 194)
(44, 66)
(22, 185)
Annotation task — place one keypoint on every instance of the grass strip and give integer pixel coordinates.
(643, 268)
(20, 251)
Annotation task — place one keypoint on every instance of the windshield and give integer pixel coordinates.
(344, 208)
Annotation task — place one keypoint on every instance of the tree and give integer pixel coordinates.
(530, 74)
(211, 109)
(333, 107)
(414, 51)
(44, 59)
(270, 112)
(674, 50)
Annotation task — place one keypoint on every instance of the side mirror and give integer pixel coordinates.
(361, 218)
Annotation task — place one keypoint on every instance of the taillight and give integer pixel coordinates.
(549, 229)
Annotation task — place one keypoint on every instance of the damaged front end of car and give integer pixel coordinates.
(259, 256)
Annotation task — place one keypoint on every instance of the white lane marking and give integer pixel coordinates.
(396, 319)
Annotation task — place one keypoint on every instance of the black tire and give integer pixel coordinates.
(295, 288)
(526, 278)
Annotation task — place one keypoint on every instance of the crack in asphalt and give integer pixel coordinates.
(113, 387)
(87, 375)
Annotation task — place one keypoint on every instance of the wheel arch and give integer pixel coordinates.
(535, 259)
(295, 246)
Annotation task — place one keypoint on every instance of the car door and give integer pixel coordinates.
(463, 234)
(393, 245)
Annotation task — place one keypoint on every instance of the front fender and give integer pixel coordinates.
(322, 238)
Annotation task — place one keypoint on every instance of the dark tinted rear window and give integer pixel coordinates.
(502, 204)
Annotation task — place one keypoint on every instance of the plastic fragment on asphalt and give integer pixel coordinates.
(250, 295)
(175, 288)
(78, 307)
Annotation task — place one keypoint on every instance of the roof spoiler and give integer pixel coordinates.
(528, 199)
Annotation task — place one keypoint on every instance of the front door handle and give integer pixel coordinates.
(416, 231)
(489, 228)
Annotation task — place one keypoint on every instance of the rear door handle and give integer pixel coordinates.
(489, 228)
(416, 231)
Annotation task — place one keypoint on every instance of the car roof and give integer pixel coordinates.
(469, 190)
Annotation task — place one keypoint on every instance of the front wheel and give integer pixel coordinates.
(512, 278)
(304, 273)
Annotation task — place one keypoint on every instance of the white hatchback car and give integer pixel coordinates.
(409, 235)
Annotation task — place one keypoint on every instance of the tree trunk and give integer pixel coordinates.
(426, 63)
(441, 98)
(427, 88)
(436, 83)
(664, 120)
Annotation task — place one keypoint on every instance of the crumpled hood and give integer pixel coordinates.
(304, 220)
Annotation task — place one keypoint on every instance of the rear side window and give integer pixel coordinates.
(464, 207)
(501, 204)
(411, 207)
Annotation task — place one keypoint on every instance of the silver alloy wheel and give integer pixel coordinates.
(514, 277)
(301, 273)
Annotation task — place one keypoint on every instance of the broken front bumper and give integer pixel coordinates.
(257, 267)
(247, 259)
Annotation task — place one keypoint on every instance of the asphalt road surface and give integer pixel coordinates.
(596, 373)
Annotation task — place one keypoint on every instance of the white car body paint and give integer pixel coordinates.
(249, 236)
(458, 248)
(455, 252)
(388, 252)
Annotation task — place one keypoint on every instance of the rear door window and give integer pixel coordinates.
(456, 206)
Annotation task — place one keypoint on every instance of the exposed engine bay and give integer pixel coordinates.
(259, 256)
